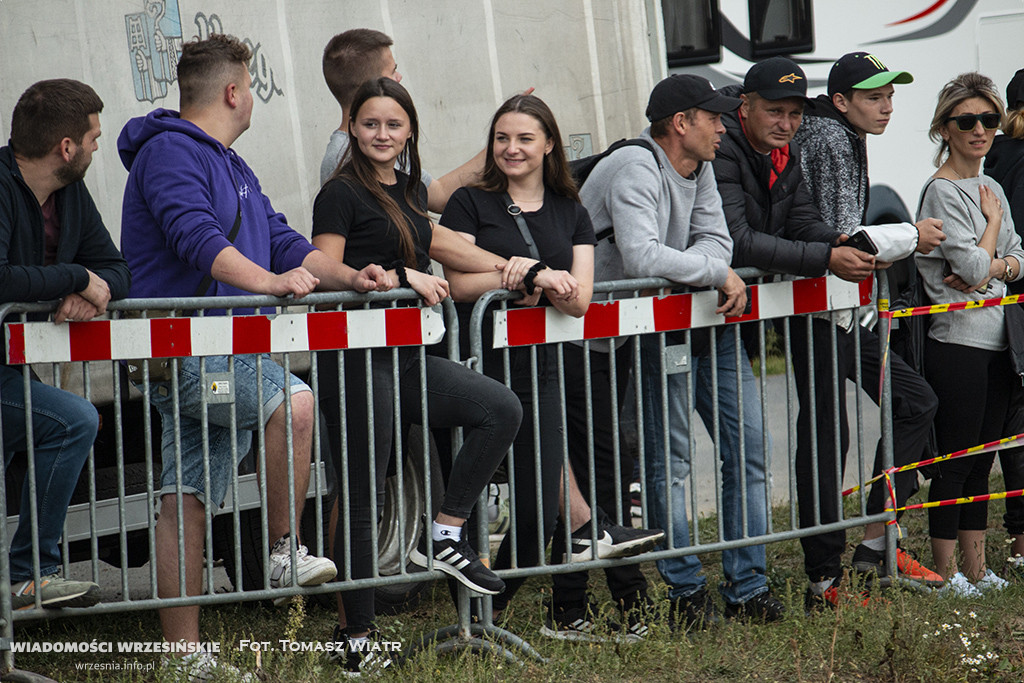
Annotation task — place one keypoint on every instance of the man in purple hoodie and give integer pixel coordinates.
(196, 223)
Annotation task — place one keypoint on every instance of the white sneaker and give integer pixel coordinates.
(310, 570)
(202, 666)
(991, 582)
(958, 586)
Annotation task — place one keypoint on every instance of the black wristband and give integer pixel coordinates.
(531, 274)
(399, 268)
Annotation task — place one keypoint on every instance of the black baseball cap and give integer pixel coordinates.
(1015, 90)
(776, 78)
(862, 71)
(680, 92)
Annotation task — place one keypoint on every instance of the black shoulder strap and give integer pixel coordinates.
(204, 284)
(517, 216)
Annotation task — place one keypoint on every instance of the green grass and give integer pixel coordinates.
(900, 636)
(775, 359)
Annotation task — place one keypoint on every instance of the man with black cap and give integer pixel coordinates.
(777, 227)
(833, 156)
(667, 216)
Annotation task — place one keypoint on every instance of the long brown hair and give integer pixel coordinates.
(356, 168)
(557, 176)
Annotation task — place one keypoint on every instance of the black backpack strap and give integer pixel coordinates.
(609, 232)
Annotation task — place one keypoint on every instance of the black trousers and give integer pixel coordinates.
(626, 583)
(913, 405)
(533, 474)
(974, 387)
(1011, 461)
(456, 396)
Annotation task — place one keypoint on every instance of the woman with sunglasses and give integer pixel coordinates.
(1005, 164)
(967, 359)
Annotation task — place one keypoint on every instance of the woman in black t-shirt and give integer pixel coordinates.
(525, 172)
(370, 213)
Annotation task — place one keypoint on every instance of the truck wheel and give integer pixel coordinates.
(396, 598)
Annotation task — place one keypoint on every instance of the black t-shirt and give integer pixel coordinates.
(556, 227)
(349, 210)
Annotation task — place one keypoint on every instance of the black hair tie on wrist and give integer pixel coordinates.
(531, 274)
(399, 268)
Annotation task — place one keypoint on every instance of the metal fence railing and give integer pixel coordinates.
(112, 518)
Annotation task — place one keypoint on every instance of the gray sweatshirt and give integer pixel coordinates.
(964, 224)
(665, 225)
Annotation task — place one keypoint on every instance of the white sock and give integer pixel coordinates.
(358, 641)
(819, 587)
(441, 532)
(874, 543)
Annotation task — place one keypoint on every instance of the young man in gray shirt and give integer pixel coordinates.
(668, 222)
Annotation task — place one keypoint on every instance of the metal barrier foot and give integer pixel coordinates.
(470, 637)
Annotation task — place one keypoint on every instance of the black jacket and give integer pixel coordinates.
(84, 242)
(1004, 163)
(777, 229)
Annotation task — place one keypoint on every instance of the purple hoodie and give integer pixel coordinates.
(184, 190)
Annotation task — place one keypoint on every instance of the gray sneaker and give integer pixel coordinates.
(54, 591)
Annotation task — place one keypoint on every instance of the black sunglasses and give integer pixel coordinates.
(967, 122)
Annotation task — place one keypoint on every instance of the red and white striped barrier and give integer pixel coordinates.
(547, 325)
(45, 342)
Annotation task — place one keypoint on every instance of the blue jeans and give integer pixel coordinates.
(248, 415)
(63, 426)
(744, 568)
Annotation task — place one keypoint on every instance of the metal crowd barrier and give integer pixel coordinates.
(293, 333)
(631, 311)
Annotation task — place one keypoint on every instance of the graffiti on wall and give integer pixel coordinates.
(154, 47)
(263, 84)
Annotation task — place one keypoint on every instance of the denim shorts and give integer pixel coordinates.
(248, 417)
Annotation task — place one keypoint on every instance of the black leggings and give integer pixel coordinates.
(456, 396)
(974, 388)
(533, 527)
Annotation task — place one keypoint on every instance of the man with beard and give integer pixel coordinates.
(54, 246)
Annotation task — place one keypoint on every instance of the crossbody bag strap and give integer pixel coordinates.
(517, 215)
(204, 284)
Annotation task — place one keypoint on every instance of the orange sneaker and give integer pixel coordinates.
(868, 561)
(910, 568)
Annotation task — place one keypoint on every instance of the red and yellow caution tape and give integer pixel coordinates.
(945, 308)
(961, 501)
(989, 447)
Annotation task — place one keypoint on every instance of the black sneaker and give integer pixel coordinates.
(871, 563)
(364, 657)
(612, 541)
(636, 612)
(460, 561)
(694, 612)
(763, 608)
(582, 624)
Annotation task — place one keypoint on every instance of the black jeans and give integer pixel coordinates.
(626, 583)
(974, 387)
(1011, 461)
(456, 396)
(913, 407)
(533, 475)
